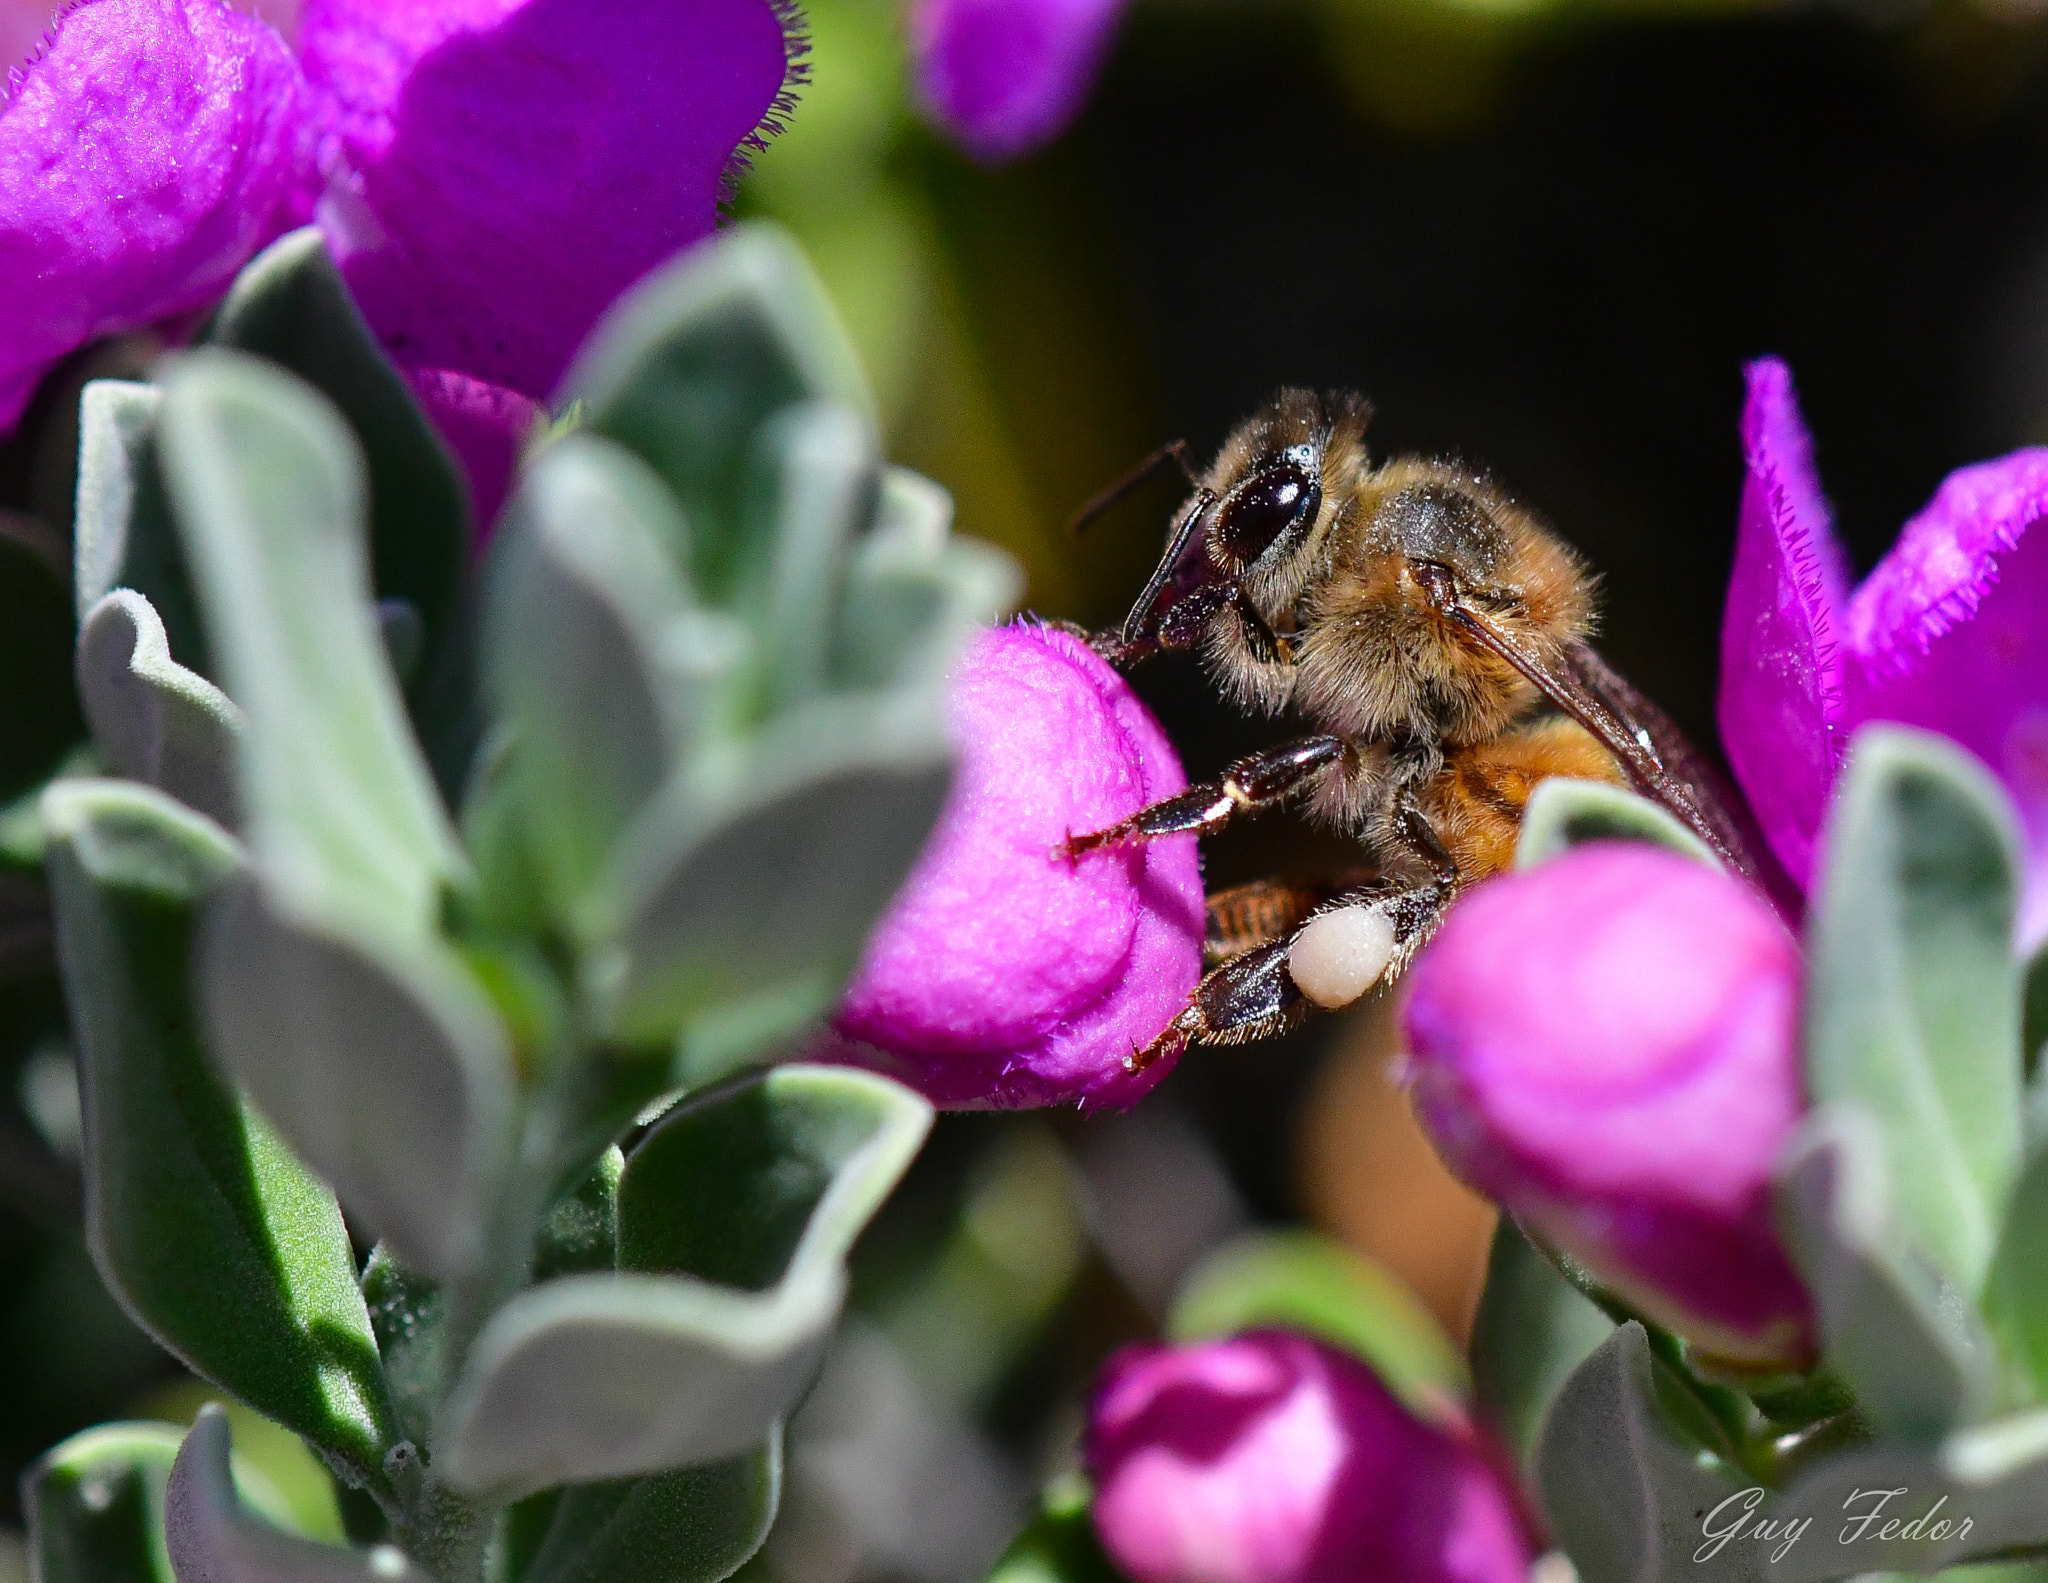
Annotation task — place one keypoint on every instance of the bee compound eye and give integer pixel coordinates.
(1280, 496)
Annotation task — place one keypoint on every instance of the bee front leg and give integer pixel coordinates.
(1251, 785)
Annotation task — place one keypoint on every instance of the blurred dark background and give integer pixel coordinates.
(1543, 235)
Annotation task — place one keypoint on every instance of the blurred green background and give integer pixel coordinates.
(1543, 237)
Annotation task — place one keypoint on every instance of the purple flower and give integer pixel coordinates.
(1946, 633)
(1006, 974)
(500, 170)
(486, 426)
(1273, 1458)
(1003, 77)
(1607, 1046)
(147, 149)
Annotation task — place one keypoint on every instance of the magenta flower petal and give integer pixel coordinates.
(1607, 1045)
(486, 426)
(1008, 975)
(510, 166)
(145, 154)
(1950, 632)
(1003, 77)
(1273, 1458)
(1782, 704)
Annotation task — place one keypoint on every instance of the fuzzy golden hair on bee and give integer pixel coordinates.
(1429, 633)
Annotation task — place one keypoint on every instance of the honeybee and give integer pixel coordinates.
(1431, 633)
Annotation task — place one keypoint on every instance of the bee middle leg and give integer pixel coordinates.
(1251, 785)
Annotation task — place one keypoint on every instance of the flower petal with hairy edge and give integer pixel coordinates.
(1782, 703)
(486, 426)
(1950, 632)
(508, 167)
(1006, 974)
(146, 153)
(1003, 77)
(1270, 1457)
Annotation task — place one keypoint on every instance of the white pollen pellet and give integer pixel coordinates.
(1340, 955)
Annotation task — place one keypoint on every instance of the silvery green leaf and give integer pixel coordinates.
(1564, 813)
(407, 1316)
(213, 1538)
(2015, 1297)
(1982, 1492)
(216, 1241)
(327, 987)
(152, 719)
(290, 306)
(268, 488)
(609, 1376)
(1302, 1280)
(904, 617)
(693, 1525)
(1623, 1485)
(382, 1059)
(583, 590)
(762, 1188)
(779, 1170)
(762, 874)
(687, 366)
(1533, 1329)
(811, 487)
(1891, 1326)
(125, 537)
(95, 1504)
(1913, 995)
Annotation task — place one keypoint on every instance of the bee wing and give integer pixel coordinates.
(1649, 747)
(1735, 832)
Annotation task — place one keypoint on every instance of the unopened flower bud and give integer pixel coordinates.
(1273, 1458)
(1007, 973)
(1607, 1045)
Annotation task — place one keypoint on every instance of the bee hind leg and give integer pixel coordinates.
(1249, 997)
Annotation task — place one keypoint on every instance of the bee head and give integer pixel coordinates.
(1243, 539)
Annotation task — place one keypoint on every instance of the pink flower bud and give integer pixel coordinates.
(1007, 974)
(1273, 1458)
(1607, 1045)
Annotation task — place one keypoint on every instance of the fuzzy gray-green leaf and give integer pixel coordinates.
(1904, 1340)
(1533, 1328)
(1565, 813)
(94, 1506)
(1913, 994)
(583, 591)
(152, 719)
(125, 537)
(216, 1240)
(687, 366)
(766, 871)
(212, 1536)
(693, 1525)
(328, 988)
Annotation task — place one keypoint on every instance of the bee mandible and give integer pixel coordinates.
(1432, 634)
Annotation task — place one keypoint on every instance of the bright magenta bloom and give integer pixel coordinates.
(495, 173)
(500, 170)
(1947, 633)
(147, 149)
(1006, 974)
(1004, 77)
(1273, 1458)
(1607, 1046)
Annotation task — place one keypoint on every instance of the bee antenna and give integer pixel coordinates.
(1174, 451)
